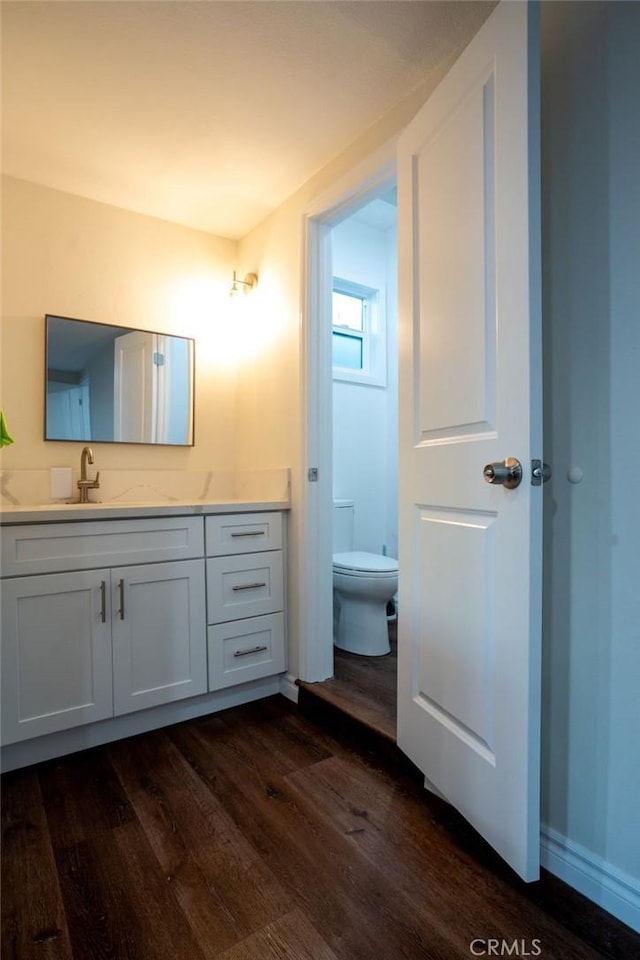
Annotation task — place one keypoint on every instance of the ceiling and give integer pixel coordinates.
(381, 213)
(208, 114)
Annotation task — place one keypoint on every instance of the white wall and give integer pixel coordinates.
(624, 199)
(365, 461)
(591, 227)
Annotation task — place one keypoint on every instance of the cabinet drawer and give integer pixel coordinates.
(245, 650)
(245, 586)
(243, 533)
(49, 547)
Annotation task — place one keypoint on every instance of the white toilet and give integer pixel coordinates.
(363, 585)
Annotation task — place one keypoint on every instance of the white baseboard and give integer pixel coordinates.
(289, 687)
(612, 889)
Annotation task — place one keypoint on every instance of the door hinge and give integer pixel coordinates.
(158, 359)
(312, 474)
(540, 473)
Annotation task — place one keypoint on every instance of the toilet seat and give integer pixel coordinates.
(366, 565)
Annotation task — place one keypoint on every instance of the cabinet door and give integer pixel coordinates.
(56, 653)
(159, 634)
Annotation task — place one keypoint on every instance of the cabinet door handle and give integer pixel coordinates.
(245, 653)
(121, 589)
(103, 601)
(249, 533)
(248, 586)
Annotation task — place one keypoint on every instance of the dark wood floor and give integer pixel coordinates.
(360, 703)
(255, 834)
(364, 688)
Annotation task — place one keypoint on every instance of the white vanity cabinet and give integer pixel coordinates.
(116, 625)
(102, 638)
(245, 598)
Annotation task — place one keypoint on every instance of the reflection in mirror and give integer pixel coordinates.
(116, 384)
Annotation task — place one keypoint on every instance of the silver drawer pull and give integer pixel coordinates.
(248, 586)
(249, 533)
(121, 590)
(245, 653)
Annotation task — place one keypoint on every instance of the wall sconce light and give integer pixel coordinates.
(245, 285)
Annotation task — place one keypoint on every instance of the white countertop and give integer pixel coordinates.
(111, 510)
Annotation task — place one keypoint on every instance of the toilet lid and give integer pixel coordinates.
(361, 562)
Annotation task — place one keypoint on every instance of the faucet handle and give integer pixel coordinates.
(96, 478)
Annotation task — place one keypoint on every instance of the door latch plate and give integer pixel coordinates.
(540, 473)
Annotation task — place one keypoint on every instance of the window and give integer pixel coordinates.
(349, 311)
(358, 341)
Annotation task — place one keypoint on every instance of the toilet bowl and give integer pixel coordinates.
(363, 585)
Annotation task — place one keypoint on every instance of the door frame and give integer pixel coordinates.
(364, 183)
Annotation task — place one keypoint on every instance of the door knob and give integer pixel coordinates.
(508, 473)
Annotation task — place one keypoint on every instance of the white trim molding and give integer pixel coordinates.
(368, 179)
(612, 889)
(289, 687)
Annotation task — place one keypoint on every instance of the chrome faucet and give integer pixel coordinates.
(84, 484)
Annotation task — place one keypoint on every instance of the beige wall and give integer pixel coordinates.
(70, 256)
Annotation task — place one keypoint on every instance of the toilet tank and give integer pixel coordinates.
(343, 512)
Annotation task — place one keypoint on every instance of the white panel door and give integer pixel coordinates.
(135, 387)
(69, 413)
(470, 382)
(159, 634)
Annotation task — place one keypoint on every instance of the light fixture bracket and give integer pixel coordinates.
(245, 285)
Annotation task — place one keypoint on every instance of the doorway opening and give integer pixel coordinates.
(350, 403)
(364, 331)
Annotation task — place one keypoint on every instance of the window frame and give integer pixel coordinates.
(372, 335)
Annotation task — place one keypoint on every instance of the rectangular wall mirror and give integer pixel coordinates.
(117, 385)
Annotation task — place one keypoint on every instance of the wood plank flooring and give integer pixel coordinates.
(255, 834)
(364, 688)
(359, 703)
